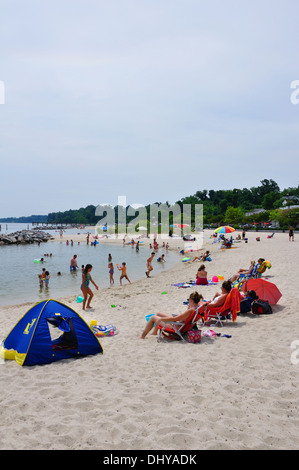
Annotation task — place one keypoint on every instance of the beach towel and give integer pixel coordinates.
(234, 298)
(192, 283)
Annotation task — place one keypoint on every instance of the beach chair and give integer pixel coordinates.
(253, 274)
(229, 309)
(175, 330)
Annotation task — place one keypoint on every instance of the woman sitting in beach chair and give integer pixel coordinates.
(218, 299)
(244, 272)
(229, 310)
(156, 320)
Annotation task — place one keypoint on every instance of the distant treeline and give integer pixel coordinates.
(24, 220)
(219, 206)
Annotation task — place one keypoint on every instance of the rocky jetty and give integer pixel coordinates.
(24, 237)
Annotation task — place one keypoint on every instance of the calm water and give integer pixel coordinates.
(11, 228)
(19, 274)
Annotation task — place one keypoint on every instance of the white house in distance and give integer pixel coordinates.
(290, 201)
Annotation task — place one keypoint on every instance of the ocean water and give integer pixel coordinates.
(19, 274)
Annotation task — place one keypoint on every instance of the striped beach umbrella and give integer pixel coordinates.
(225, 229)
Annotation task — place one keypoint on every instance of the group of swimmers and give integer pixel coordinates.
(86, 273)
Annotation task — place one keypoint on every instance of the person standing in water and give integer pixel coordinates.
(87, 292)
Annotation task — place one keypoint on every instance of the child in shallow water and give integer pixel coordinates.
(123, 270)
(42, 277)
(47, 278)
(111, 272)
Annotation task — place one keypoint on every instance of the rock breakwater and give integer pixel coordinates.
(25, 236)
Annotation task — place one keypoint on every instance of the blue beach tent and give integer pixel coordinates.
(48, 332)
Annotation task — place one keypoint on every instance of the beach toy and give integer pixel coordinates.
(215, 279)
(163, 292)
(36, 260)
(108, 330)
(93, 323)
(221, 278)
(185, 259)
(113, 306)
(80, 299)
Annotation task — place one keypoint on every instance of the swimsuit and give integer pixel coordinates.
(86, 282)
(201, 281)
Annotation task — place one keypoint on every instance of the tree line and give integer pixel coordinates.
(219, 207)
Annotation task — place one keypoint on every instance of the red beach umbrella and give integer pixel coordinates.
(264, 289)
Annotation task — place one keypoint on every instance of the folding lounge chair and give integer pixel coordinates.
(229, 309)
(253, 273)
(244, 277)
(175, 330)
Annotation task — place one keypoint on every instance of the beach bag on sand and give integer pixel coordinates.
(246, 305)
(194, 336)
(261, 307)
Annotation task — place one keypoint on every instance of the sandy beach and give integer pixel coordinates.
(224, 393)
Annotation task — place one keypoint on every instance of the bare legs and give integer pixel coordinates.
(88, 295)
(155, 319)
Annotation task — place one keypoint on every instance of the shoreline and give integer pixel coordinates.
(82, 238)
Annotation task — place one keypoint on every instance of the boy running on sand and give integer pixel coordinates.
(123, 270)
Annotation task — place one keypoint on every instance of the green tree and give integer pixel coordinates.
(269, 200)
(234, 216)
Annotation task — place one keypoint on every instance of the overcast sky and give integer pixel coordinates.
(151, 99)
